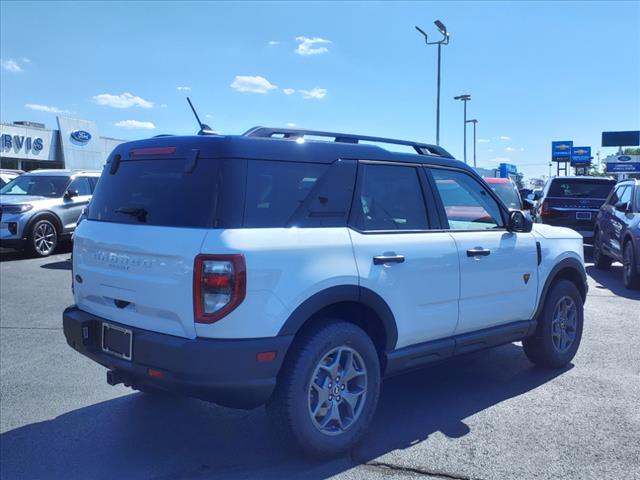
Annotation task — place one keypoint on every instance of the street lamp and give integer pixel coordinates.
(464, 98)
(444, 41)
(475, 122)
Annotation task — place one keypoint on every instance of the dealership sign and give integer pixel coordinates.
(22, 143)
(81, 136)
(561, 151)
(580, 156)
(623, 164)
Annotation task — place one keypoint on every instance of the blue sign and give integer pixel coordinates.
(81, 136)
(561, 151)
(581, 155)
(507, 169)
(632, 167)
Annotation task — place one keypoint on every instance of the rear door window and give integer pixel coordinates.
(80, 185)
(389, 197)
(275, 190)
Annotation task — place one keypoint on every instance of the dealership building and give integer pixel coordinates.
(75, 145)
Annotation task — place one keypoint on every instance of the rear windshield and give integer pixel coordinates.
(157, 192)
(579, 188)
(507, 193)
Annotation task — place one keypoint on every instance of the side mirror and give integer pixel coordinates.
(622, 206)
(527, 204)
(519, 222)
(70, 193)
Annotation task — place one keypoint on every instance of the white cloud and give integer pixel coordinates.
(135, 124)
(45, 108)
(490, 150)
(521, 149)
(509, 149)
(163, 105)
(183, 89)
(124, 100)
(484, 140)
(274, 42)
(306, 45)
(317, 93)
(291, 125)
(208, 115)
(499, 159)
(288, 91)
(10, 65)
(504, 137)
(26, 60)
(252, 84)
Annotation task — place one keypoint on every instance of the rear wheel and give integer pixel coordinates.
(559, 330)
(600, 260)
(630, 274)
(328, 390)
(43, 238)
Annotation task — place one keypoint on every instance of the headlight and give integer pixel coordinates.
(16, 208)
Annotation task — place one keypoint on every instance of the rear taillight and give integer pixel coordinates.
(219, 286)
(545, 211)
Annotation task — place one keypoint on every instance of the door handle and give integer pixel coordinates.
(478, 252)
(382, 259)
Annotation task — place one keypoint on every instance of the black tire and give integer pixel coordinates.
(630, 274)
(289, 408)
(42, 238)
(600, 260)
(542, 348)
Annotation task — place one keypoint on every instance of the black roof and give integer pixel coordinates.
(291, 145)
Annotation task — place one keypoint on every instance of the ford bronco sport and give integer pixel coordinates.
(276, 268)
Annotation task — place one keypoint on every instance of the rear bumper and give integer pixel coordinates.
(217, 370)
(583, 228)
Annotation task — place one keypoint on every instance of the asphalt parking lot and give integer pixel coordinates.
(490, 415)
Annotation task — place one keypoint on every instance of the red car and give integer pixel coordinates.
(507, 191)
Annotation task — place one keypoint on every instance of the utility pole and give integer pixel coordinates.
(475, 122)
(464, 98)
(443, 41)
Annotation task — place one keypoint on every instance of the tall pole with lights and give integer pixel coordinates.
(475, 122)
(464, 98)
(445, 40)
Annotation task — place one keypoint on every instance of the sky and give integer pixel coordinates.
(536, 71)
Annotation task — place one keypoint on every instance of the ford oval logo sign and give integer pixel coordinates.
(81, 136)
(624, 158)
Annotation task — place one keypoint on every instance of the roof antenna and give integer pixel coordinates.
(204, 128)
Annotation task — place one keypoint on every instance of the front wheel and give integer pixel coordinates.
(43, 238)
(630, 274)
(328, 390)
(600, 260)
(559, 330)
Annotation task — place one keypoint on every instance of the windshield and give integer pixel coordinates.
(39, 185)
(579, 188)
(507, 193)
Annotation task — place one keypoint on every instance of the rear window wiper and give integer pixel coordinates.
(138, 212)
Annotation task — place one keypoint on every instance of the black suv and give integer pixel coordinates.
(617, 232)
(573, 202)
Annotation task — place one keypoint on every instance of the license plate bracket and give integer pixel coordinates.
(117, 341)
(583, 215)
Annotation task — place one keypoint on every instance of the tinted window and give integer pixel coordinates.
(625, 196)
(507, 193)
(615, 195)
(579, 188)
(81, 185)
(93, 181)
(157, 192)
(41, 185)
(389, 198)
(275, 190)
(467, 204)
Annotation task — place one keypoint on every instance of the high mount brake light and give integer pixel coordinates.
(141, 152)
(219, 286)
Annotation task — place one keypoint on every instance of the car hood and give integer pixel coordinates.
(20, 199)
(549, 231)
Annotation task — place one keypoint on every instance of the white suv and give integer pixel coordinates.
(273, 268)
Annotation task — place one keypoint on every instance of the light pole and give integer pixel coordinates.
(464, 98)
(475, 122)
(445, 40)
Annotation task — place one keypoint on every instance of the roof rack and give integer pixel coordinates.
(294, 134)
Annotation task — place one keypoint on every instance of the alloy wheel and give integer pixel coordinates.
(564, 324)
(337, 391)
(44, 238)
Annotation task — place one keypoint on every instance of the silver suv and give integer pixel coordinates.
(40, 208)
